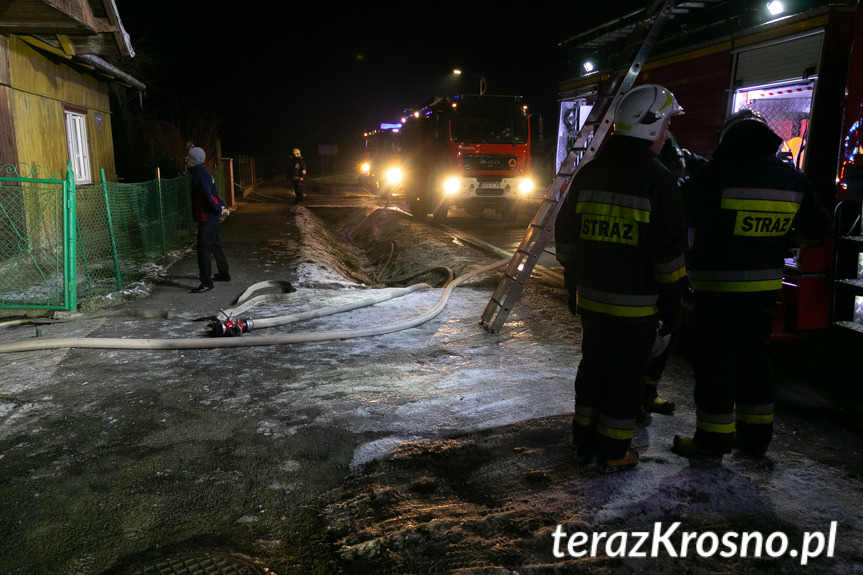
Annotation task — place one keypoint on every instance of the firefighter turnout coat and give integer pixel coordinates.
(621, 234)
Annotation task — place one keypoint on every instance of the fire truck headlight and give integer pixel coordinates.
(451, 186)
(365, 168)
(526, 186)
(394, 176)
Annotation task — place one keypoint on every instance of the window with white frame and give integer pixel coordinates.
(76, 141)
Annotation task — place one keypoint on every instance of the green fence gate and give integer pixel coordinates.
(37, 239)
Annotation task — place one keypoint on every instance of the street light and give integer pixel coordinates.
(482, 84)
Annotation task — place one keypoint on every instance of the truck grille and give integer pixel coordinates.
(496, 162)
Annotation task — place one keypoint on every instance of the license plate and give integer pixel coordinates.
(490, 185)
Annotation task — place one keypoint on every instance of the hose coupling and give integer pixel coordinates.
(232, 328)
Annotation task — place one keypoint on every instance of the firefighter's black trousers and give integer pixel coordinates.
(610, 380)
(733, 375)
(210, 247)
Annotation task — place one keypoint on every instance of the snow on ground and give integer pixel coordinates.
(437, 449)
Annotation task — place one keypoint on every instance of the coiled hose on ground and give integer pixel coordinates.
(280, 339)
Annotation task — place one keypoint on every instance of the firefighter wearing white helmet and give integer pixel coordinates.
(621, 238)
(645, 111)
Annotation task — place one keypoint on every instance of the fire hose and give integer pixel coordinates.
(280, 339)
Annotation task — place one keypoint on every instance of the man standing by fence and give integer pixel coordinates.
(207, 210)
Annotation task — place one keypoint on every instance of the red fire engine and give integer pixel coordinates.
(804, 73)
(468, 151)
(380, 168)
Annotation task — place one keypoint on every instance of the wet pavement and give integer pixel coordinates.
(435, 449)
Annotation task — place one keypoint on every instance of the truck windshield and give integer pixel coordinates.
(471, 129)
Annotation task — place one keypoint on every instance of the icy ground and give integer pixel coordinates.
(437, 449)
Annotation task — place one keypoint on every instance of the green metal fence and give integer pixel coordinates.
(60, 243)
(36, 234)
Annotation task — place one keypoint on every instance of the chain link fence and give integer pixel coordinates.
(32, 247)
(126, 229)
(123, 232)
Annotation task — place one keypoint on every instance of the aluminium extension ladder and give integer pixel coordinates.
(584, 148)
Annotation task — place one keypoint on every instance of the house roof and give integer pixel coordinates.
(82, 31)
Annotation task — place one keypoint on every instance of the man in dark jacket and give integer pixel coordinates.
(207, 210)
(743, 206)
(297, 173)
(621, 237)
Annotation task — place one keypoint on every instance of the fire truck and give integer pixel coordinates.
(380, 169)
(469, 151)
(803, 71)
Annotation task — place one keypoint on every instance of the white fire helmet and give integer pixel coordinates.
(744, 115)
(643, 112)
(297, 152)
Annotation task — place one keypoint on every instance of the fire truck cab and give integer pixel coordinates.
(380, 169)
(467, 151)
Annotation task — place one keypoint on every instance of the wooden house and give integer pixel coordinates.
(55, 84)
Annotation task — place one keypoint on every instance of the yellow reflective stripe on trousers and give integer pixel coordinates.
(617, 304)
(754, 418)
(714, 427)
(617, 310)
(583, 421)
(714, 422)
(613, 433)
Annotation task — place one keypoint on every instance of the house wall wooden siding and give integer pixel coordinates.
(36, 89)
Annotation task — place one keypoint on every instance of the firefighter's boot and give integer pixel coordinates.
(652, 403)
(584, 455)
(625, 463)
(659, 405)
(697, 455)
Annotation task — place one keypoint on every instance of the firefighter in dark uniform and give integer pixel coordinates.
(743, 207)
(621, 238)
(297, 173)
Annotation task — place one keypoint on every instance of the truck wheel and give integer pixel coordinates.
(440, 213)
(437, 200)
(416, 201)
(416, 206)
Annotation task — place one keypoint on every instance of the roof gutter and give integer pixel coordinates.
(112, 71)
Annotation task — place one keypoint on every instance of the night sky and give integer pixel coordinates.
(314, 73)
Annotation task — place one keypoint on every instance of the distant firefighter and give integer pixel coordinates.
(297, 172)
